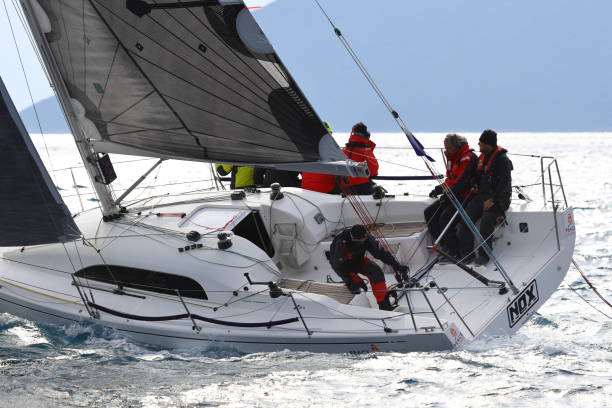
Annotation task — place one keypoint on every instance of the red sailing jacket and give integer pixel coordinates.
(458, 164)
(360, 149)
(323, 183)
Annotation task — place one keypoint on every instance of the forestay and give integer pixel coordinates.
(31, 210)
(195, 83)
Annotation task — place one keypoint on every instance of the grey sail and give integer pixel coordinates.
(196, 83)
(31, 210)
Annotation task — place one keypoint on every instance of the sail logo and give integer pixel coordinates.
(523, 303)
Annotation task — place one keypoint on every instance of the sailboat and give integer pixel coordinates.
(247, 270)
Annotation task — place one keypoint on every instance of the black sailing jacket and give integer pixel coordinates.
(494, 179)
(344, 253)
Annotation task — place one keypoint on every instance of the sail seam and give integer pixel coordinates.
(110, 70)
(234, 121)
(179, 57)
(220, 55)
(215, 65)
(196, 139)
(131, 106)
(236, 54)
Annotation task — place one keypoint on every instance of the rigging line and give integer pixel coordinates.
(390, 162)
(168, 71)
(180, 120)
(587, 302)
(357, 61)
(25, 76)
(470, 224)
(41, 293)
(589, 283)
(28, 32)
(114, 164)
(349, 316)
(180, 237)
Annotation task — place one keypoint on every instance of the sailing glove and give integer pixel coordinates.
(401, 273)
(436, 191)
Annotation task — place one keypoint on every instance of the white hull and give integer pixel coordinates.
(37, 283)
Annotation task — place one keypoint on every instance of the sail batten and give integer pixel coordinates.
(195, 83)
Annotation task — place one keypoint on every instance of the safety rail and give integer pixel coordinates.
(94, 309)
(546, 170)
(423, 290)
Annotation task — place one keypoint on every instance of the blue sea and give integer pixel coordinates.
(561, 358)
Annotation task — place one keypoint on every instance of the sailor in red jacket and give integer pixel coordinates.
(460, 170)
(360, 149)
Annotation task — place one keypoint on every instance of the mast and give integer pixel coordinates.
(82, 139)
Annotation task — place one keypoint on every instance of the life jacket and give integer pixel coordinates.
(322, 183)
(456, 165)
(486, 178)
(360, 149)
(485, 168)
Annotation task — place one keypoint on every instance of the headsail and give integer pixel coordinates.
(197, 83)
(31, 210)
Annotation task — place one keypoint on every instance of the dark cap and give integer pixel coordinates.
(489, 137)
(361, 129)
(358, 232)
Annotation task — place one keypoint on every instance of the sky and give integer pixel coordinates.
(515, 65)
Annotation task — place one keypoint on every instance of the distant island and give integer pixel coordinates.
(50, 115)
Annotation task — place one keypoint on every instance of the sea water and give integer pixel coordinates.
(561, 358)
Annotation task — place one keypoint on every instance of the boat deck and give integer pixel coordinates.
(336, 291)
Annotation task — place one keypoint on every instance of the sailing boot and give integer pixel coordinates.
(385, 304)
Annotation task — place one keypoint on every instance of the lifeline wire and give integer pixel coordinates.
(410, 136)
(25, 76)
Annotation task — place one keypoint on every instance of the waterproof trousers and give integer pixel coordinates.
(437, 216)
(488, 220)
(349, 274)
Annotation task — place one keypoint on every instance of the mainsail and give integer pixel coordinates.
(31, 210)
(180, 81)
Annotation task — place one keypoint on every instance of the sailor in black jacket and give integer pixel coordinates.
(347, 258)
(494, 189)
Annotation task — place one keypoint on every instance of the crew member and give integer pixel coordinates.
(360, 149)
(242, 177)
(460, 168)
(494, 189)
(322, 183)
(347, 258)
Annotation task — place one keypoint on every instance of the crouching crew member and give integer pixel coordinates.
(494, 183)
(348, 260)
(460, 169)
